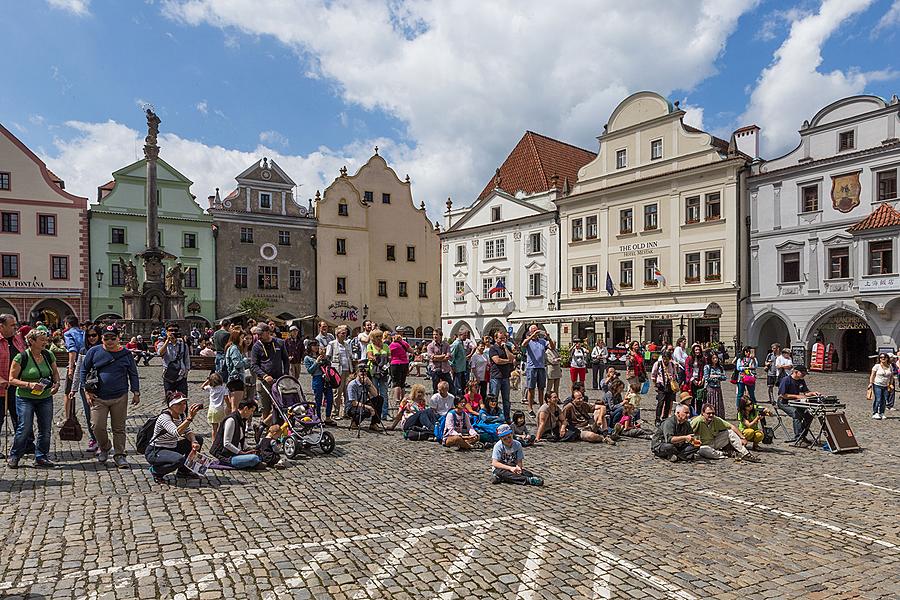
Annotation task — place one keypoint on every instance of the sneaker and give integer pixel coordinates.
(92, 446)
(876, 416)
(752, 458)
(609, 440)
(157, 478)
(281, 464)
(673, 458)
(103, 456)
(535, 481)
(44, 463)
(120, 461)
(531, 414)
(494, 478)
(882, 416)
(12, 462)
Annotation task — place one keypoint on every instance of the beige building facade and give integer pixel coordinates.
(651, 236)
(377, 254)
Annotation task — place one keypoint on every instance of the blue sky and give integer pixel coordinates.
(446, 89)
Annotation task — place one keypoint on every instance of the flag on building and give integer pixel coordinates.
(467, 289)
(658, 276)
(609, 285)
(500, 286)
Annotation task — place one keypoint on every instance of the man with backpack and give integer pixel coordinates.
(176, 357)
(268, 361)
(107, 373)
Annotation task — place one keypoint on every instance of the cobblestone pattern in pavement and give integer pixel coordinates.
(386, 518)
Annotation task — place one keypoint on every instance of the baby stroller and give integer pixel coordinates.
(302, 427)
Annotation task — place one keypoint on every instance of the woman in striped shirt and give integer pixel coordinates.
(173, 439)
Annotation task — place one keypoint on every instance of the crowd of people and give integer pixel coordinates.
(368, 377)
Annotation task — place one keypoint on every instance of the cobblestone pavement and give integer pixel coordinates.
(386, 518)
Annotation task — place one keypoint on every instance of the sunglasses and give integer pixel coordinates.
(90, 335)
(110, 336)
(171, 331)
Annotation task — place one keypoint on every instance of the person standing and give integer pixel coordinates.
(578, 360)
(236, 363)
(599, 356)
(746, 371)
(340, 354)
(294, 347)
(439, 350)
(378, 359)
(713, 376)
(176, 359)
(479, 368)
(220, 339)
(635, 371)
(33, 372)
(881, 382)
(11, 344)
(665, 376)
(324, 338)
(502, 363)
(554, 369)
(536, 345)
(362, 341)
(400, 351)
(772, 371)
(459, 364)
(268, 361)
(313, 362)
(91, 339)
(680, 356)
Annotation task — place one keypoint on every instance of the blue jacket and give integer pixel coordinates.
(73, 338)
(117, 371)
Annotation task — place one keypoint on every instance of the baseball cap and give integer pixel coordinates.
(800, 369)
(110, 330)
(294, 328)
(504, 430)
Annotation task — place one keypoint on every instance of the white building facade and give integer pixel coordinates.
(824, 236)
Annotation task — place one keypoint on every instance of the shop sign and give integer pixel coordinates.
(638, 248)
(707, 322)
(877, 284)
(846, 322)
(19, 283)
(342, 310)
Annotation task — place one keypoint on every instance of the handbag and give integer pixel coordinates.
(768, 435)
(870, 394)
(70, 430)
(734, 377)
(748, 379)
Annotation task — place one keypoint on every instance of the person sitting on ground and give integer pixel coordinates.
(716, 434)
(613, 399)
(580, 420)
(507, 461)
(420, 419)
(674, 439)
(750, 422)
(490, 412)
(206, 349)
(409, 405)
(458, 430)
(270, 446)
(629, 424)
(229, 444)
(609, 377)
(365, 402)
(520, 429)
(442, 401)
(577, 386)
(217, 393)
(473, 399)
(794, 387)
(173, 439)
(548, 417)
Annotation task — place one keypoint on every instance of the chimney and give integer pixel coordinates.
(747, 140)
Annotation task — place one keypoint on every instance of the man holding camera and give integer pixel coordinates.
(536, 345)
(176, 359)
(364, 400)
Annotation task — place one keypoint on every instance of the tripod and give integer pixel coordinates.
(374, 410)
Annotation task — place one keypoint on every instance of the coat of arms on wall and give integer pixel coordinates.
(845, 192)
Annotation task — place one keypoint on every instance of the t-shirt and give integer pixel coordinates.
(217, 396)
(534, 353)
(578, 358)
(35, 372)
(783, 365)
(707, 431)
(458, 356)
(882, 375)
(441, 404)
(220, 338)
(508, 455)
(789, 385)
(399, 352)
(499, 371)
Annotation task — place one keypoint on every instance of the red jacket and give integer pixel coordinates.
(19, 343)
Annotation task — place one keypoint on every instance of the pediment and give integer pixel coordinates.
(790, 245)
(838, 239)
(495, 270)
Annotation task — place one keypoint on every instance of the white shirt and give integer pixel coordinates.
(679, 355)
(217, 396)
(784, 363)
(441, 404)
(363, 339)
(340, 355)
(882, 375)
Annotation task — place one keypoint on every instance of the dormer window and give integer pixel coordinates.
(621, 159)
(656, 150)
(495, 214)
(265, 200)
(846, 140)
(343, 210)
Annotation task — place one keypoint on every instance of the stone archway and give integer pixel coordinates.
(492, 326)
(51, 312)
(770, 329)
(849, 332)
(461, 325)
(7, 308)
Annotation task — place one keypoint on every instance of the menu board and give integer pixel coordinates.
(798, 355)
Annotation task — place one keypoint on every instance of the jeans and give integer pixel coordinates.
(320, 392)
(500, 389)
(799, 416)
(459, 383)
(508, 477)
(9, 407)
(27, 409)
(438, 376)
(741, 389)
(683, 451)
(881, 396)
(116, 409)
(87, 415)
(166, 460)
(597, 370)
(244, 461)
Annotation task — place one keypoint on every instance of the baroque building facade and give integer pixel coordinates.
(824, 236)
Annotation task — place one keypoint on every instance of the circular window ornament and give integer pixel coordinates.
(268, 251)
(266, 174)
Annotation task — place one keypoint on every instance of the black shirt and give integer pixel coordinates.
(499, 371)
(13, 351)
(789, 385)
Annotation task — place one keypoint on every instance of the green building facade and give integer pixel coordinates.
(118, 229)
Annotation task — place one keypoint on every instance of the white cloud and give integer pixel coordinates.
(202, 107)
(78, 8)
(273, 137)
(791, 89)
(87, 159)
(19, 127)
(693, 114)
(36, 119)
(467, 79)
(890, 19)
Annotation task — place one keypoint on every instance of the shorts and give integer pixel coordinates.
(176, 386)
(263, 396)
(398, 375)
(573, 434)
(235, 385)
(215, 415)
(535, 378)
(771, 380)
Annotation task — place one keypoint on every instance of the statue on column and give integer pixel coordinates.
(152, 128)
(129, 272)
(175, 280)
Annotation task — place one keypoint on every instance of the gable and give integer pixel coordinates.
(267, 172)
(510, 208)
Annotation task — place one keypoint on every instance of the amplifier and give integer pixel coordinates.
(838, 433)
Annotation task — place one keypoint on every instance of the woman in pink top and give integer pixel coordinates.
(399, 364)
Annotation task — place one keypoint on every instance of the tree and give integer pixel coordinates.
(254, 307)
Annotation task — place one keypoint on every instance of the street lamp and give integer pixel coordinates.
(681, 327)
(641, 333)
(365, 311)
(99, 276)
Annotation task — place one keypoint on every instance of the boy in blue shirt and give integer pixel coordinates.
(507, 459)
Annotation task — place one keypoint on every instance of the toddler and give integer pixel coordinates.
(270, 446)
(520, 429)
(217, 393)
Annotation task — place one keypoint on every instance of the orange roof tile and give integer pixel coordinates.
(884, 216)
(534, 161)
(109, 185)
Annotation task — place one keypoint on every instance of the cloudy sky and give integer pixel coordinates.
(444, 88)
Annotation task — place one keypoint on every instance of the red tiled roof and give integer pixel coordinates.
(56, 179)
(232, 195)
(534, 161)
(884, 216)
(109, 185)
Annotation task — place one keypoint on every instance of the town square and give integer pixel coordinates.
(500, 300)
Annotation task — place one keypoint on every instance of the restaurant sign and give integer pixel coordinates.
(18, 283)
(877, 284)
(342, 310)
(638, 248)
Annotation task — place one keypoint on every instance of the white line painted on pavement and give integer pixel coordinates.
(459, 566)
(863, 484)
(808, 520)
(390, 567)
(601, 579)
(298, 580)
(533, 563)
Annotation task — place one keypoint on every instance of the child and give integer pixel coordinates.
(473, 399)
(629, 424)
(507, 459)
(458, 430)
(490, 412)
(217, 393)
(520, 429)
(634, 395)
(312, 362)
(270, 446)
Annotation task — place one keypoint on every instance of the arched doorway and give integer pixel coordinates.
(51, 312)
(851, 339)
(7, 309)
(857, 346)
(492, 327)
(773, 331)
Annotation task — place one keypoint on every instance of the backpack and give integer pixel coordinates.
(331, 377)
(145, 434)
(173, 369)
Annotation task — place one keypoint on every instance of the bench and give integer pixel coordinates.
(202, 363)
